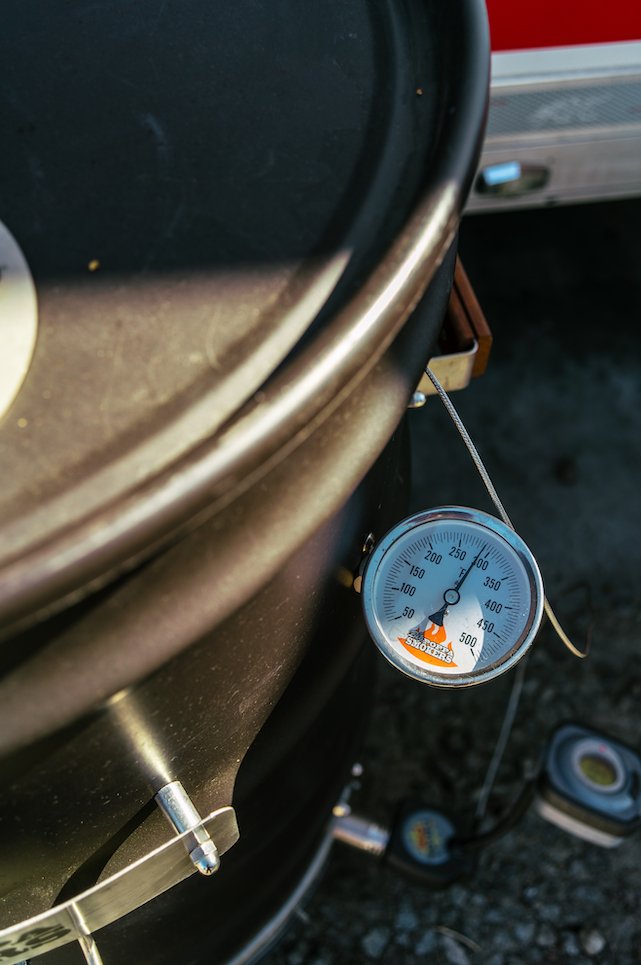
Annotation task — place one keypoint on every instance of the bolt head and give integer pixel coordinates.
(206, 858)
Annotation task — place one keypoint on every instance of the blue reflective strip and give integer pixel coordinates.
(501, 173)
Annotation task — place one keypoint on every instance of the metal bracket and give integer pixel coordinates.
(465, 342)
(453, 371)
(77, 919)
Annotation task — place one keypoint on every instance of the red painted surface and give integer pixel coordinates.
(523, 24)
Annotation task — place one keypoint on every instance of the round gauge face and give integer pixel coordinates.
(598, 766)
(452, 596)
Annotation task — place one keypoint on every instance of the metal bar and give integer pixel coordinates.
(360, 833)
(113, 898)
(85, 939)
(179, 810)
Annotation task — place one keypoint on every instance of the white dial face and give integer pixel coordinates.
(450, 597)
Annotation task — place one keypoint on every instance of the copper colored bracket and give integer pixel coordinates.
(465, 340)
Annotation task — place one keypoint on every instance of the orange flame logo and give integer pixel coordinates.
(435, 634)
(435, 637)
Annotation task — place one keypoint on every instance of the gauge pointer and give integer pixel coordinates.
(438, 618)
(452, 596)
(457, 586)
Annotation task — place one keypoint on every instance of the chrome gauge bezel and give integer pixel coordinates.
(516, 545)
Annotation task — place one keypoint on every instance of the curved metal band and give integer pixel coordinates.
(309, 388)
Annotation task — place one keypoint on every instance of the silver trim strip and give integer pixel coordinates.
(272, 930)
(555, 64)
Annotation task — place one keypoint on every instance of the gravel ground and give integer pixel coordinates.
(558, 420)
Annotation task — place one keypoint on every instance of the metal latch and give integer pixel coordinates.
(464, 343)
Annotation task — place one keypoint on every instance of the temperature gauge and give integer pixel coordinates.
(452, 597)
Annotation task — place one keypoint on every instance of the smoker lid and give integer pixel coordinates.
(195, 187)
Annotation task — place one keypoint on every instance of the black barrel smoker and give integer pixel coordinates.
(239, 220)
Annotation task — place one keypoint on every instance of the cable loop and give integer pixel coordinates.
(494, 496)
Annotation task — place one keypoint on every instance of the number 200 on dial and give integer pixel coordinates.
(452, 596)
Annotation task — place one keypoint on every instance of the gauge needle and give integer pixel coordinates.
(457, 586)
(452, 596)
(438, 618)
